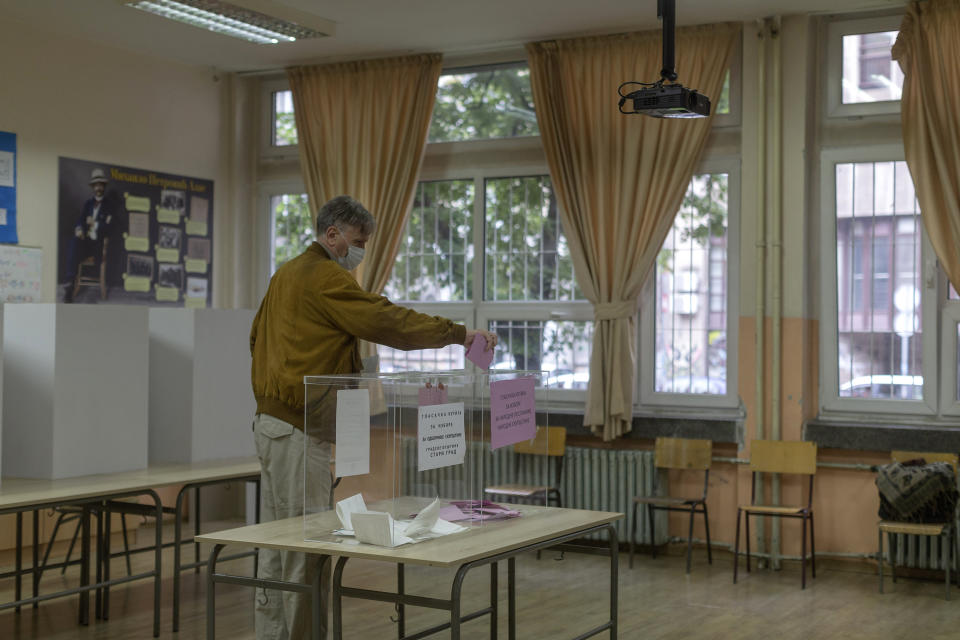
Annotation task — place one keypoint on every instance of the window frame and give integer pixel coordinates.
(837, 28)
(646, 330)
(267, 149)
(830, 400)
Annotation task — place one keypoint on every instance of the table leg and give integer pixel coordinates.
(317, 602)
(98, 600)
(196, 528)
(106, 562)
(177, 540)
(494, 573)
(211, 595)
(401, 612)
(512, 598)
(614, 581)
(157, 561)
(36, 556)
(85, 564)
(18, 561)
(337, 599)
(256, 509)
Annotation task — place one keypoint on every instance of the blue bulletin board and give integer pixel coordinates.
(8, 187)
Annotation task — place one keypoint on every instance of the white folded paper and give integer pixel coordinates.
(348, 506)
(377, 527)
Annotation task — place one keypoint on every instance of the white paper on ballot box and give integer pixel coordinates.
(440, 436)
(353, 432)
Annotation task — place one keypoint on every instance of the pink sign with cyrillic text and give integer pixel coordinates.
(512, 412)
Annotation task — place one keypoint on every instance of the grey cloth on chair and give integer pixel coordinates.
(917, 493)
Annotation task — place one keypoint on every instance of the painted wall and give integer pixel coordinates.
(68, 97)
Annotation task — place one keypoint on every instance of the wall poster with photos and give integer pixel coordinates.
(133, 236)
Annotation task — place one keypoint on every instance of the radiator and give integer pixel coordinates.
(596, 479)
(921, 552)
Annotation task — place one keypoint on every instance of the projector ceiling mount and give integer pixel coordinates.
(666, 98)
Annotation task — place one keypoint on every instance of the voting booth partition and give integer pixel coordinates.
(414, 443)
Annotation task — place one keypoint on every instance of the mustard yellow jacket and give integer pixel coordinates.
(310, 323)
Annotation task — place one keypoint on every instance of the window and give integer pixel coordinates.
(435, 258)
(688, 327)
(491, 102)
(884, 296)
(291, 227)
(484, 244)
(862, 77)
(869, 72)
(879, 339)
(284, 126)
(526, 255)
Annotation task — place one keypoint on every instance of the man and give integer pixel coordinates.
(310, 323)
(91, 229)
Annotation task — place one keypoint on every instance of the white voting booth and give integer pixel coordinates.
(414, 451)
(79, 375)
(201, 401)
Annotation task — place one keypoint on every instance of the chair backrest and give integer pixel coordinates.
(928, 456)
(551, 441)
(682, 453)
(783, 456)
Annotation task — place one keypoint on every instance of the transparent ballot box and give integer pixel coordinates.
(419, 455)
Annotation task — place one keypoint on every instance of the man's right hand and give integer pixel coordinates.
(489, 336)
(78, 232)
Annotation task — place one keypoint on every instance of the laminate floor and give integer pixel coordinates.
(556, 599)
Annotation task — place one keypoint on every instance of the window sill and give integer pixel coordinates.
(882, 435)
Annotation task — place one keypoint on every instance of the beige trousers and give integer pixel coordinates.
(285, 615)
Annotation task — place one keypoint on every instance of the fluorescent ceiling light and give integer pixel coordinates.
(229, 19)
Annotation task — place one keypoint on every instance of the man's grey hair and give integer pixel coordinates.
(344, 211)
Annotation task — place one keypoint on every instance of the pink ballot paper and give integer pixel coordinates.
(512, 412)
(478, 354)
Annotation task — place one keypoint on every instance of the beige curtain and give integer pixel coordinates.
(620, 180)
(362, 128)
(928, 50)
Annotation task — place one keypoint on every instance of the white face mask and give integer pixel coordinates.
(353, 258)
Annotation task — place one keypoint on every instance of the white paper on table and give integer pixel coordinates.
(353, 432)
(424, 521)
(440, 436)
(348, 506)
(376, 527)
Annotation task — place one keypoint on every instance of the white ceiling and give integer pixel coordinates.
(371, 28)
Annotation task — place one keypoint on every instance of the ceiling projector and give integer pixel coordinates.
(665, 98)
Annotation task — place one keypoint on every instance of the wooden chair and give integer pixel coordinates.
(677, 453)
(946, 531)
(99, 279)
(780, 456)
(549, 441)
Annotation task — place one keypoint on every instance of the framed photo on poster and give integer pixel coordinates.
(130, 236)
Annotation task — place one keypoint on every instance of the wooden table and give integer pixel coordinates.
(537, 528)
(95, 492)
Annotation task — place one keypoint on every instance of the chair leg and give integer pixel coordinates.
(892, 544)
(736, 548)
(946, 580)
(803, 555)
(706, 524)
(746, 523)
(73, 541)
(53, 540)
(126, 543)
(690, 541)
(880, 557)
(813, 549)
(653, 542)
(633, 533)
